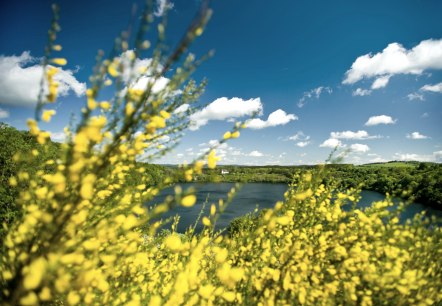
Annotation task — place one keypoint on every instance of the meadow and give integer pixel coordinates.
(78, 232)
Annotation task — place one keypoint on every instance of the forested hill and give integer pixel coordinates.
(422, 180)
(13, 141)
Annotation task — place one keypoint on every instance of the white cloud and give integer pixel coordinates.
(143, 82)
(224, 108)
(3, 113)
(140, 74)
(361, 135)
(361, 92)
(436, 88)
(434, 157)
(278, 117)
(417, 135)
(413, 157)
(20, 79)
(425, 115)
(359, 148)
(302, 144)
(298, 136)
(432, 88)
(415, 96)
(162, 7)
(395, 59)
(181, 109)
(314, 93)
(58, 136)
(331, 143)
(380, 82)
(256, 154)
(381, 119)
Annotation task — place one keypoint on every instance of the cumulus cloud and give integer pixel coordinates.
(381, 119)
(224, 108)
(181, 109)
(417, 135)
(302, 144)
(256, 154)
(162, 7)
(331, 143)
(298, 136)
(20, 78)
(3, 113)
(433, 157)
(278, 117)
(361, 92)
(380, 82)
(58, 136)
(143, 82)
(436, 88)
(415, 96)
(433, 88)
(396, 59)
(314, 93)
(140, 75)
(359, 135)
(359, 148)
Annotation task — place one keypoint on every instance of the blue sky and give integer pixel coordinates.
(363, 75)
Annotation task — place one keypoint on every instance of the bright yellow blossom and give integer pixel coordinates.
(188, 201)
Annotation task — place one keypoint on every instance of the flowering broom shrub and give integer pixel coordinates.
(85, 236)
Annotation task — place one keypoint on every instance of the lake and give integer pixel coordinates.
(251, 195)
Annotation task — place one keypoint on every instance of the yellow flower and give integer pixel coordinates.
(129, 109)
(35, 274)
(229, 296)
(59, 61)
(51, 72)
(47, 114)
(206, 291)
(188, 201)
(33, 127)
(45, 294)
(227, 135)
(86, 190)
(112, 70)
(235, 134)
(29, 299)
(155, 301)
(285, 220)
(221, 255)
(73, 298)
(206, 221)
(165, 114)
(56, 47)
(212, 159)
(105, 105)
(173, 243)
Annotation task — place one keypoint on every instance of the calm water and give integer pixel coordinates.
(248, 198)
